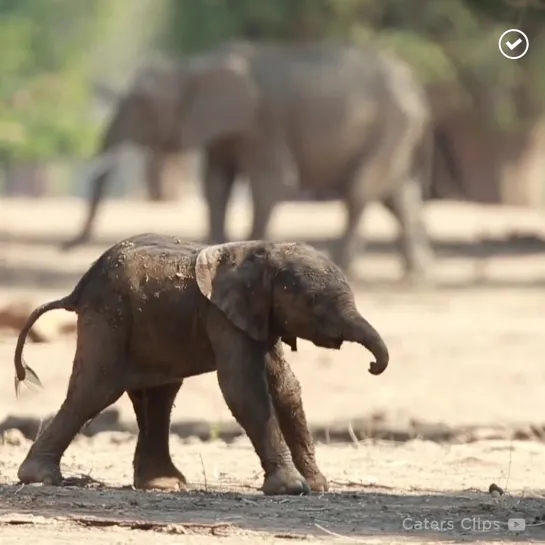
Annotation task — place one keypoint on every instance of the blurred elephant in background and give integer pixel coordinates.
(342, 120)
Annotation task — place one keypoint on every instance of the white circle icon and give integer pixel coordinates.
(510, 46)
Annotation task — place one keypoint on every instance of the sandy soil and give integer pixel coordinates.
(466, 371)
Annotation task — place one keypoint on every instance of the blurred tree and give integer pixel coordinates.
(44, 95)
(126, 38)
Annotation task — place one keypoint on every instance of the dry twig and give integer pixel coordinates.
(335, 534)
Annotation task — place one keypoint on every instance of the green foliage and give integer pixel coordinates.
(44, 95)
(447, 41)
(48, 47)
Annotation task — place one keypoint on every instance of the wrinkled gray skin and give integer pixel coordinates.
(153, 310)
(335, 120)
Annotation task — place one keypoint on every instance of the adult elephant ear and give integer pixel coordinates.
(234, 277)
(221, 98)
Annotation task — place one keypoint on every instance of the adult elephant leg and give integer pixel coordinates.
(153, 465)
(344, 248)
(376, 175)
(263, 202)
(153, 172)
(218, 181)
(285, 391)
(272, 171)
(406, 204)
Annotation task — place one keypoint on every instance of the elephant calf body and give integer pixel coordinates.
(153, 310)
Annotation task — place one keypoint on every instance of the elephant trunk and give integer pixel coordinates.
(125, 124)
(97, 176)
(359, 330)
(130, 129)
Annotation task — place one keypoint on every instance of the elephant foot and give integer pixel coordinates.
(317, 482)
(418, 279)
(160, 483)
(74, 242)
(285, 481)
(40, 470)
(159, 477)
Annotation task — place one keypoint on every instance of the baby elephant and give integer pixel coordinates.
(153, 310)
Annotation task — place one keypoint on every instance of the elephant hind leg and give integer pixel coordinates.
(95, 384)
(285, 391)
(406, 204)
(153, 176)
(153, 465)
(367, 181)
(344, 247)
(263, 202)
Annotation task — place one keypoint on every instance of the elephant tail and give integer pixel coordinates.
(22, 371)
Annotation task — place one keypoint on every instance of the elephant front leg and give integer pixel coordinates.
(263, 201)
(219, 178)
(285, 391)
(153, 176)
(242, 379)
(273, 174)
(407, 206)
(153, 465)
(344, 248)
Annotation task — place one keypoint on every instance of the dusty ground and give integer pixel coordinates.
(466, 370)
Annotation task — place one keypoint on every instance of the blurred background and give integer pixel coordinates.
(60, 57)
(63, 60)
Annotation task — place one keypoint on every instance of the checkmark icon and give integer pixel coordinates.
(512, 45)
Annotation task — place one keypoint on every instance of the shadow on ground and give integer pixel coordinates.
(357, 513)
(371, 427)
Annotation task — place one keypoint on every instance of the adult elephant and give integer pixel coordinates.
(330, 119)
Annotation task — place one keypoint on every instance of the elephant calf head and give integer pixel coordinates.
(286, 290)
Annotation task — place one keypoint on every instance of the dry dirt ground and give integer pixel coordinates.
(410, 454)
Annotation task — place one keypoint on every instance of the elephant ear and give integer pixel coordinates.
(160, 83)
(221, 99)
(235, 278)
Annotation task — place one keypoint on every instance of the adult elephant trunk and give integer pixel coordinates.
(119, 133)
(357, 329)
(98, 176)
